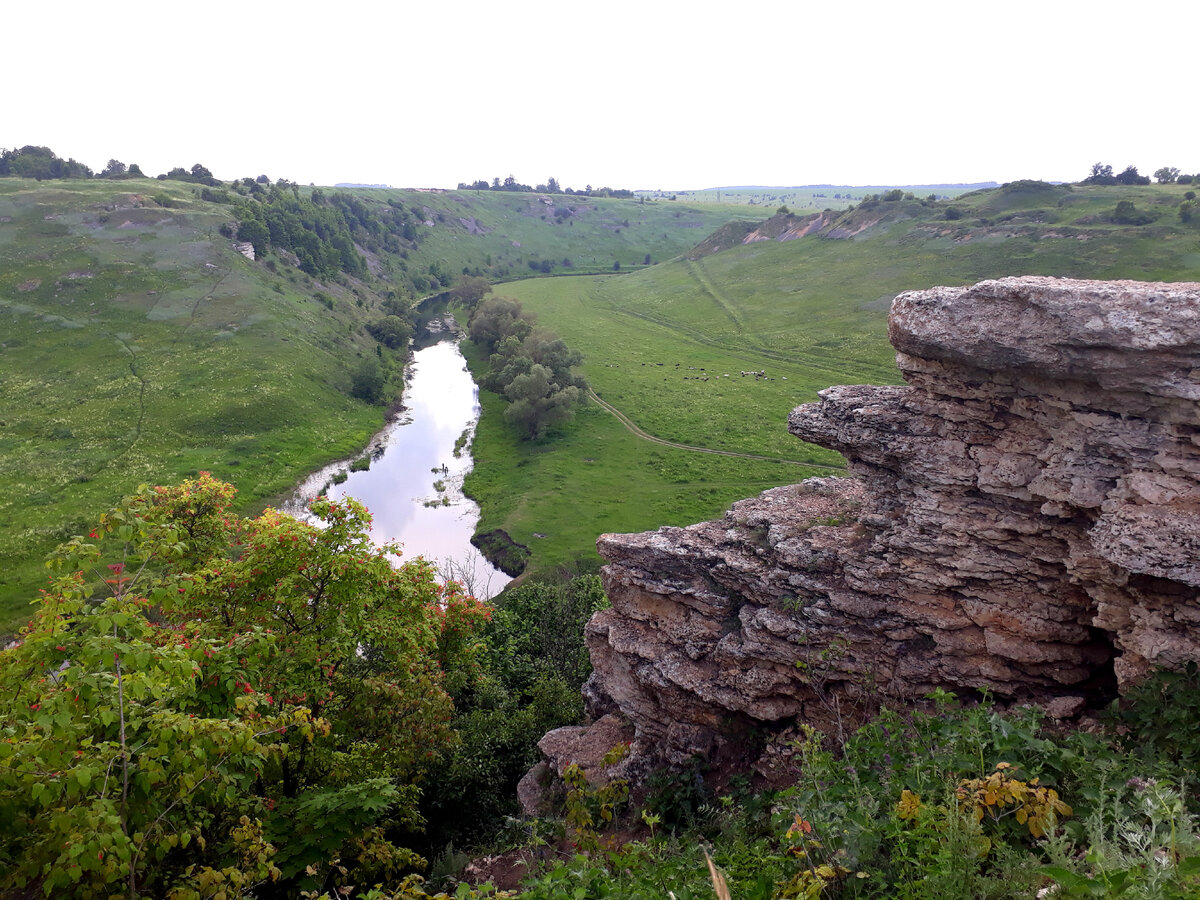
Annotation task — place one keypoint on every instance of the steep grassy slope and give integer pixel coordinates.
(810, 197)
(498, 234)
(808, 313)
(137, 346)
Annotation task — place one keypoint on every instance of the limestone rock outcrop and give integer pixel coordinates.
(1024, 518)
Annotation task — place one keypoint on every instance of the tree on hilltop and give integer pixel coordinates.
(1129, 175)
(114, 169)
(1101, 174)
(1166, 175)
(201, 175)
(40, 163)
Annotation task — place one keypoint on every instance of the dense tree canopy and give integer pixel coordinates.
(393, 332)
(1103, 174)
(497, 318)
(530, 366)
(325, 231)
(40, 163)
(534, 666)
(204, 702)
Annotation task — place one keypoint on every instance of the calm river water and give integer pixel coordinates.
(414, 485)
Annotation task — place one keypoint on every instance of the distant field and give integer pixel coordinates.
(498, 234)
(808, 197)
(809, 313)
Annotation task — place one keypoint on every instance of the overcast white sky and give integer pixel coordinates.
(671, 94)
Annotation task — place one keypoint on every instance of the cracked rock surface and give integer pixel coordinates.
(1024, 518)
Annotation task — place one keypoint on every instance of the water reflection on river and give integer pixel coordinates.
(414, 485)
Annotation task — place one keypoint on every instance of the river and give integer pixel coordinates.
(413, 487)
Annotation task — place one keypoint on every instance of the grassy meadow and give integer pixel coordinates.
(498, 234)
(809, 313)
(137, 346)
(558, 494)
(806, 198)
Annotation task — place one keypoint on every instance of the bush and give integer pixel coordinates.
(532, 670)
(211, 196)
(235, 701)
(367, 381)
(1127, 214)
(391, 331)
(1162, 716)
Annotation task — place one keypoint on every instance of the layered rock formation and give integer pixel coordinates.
(1025, 519)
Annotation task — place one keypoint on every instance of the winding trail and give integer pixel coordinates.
(700, 276)
(196, 306)
(137, 429)
(638, 432)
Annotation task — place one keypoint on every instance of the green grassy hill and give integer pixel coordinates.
(807, 197)
(659, 343)
(137, 345)
(498, 234)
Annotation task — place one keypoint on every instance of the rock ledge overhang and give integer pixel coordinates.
(1024, 518)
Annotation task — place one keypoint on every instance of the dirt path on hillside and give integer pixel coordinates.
(634, 430)
(696, 271)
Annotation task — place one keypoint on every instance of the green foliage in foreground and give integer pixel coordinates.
(205, 703)
(532, 668)
(956, 803)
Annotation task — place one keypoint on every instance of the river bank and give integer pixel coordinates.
(410, 474)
